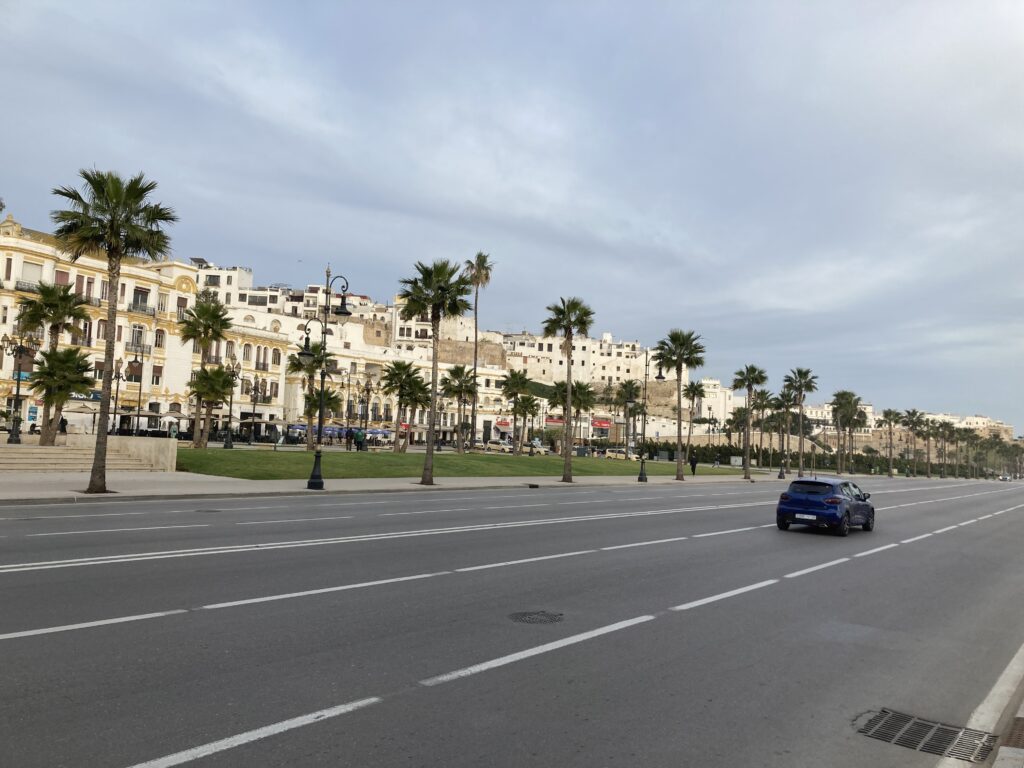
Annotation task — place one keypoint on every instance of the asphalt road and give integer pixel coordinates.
(375, 630)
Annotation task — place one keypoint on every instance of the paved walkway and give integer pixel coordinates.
(44, 487)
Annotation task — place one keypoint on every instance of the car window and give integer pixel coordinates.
(857, 492)
(848, 491)
(810, 488)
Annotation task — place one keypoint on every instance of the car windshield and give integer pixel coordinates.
(810, 488)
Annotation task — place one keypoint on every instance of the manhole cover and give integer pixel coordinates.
(536, 617)
(929, 736)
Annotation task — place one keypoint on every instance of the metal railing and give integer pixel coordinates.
(214, 359)
(262, 367)
(26, 285)
(141, 349)
(144, 309)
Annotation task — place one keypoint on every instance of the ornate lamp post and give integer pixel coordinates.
(259, 388)
(642, 477)
(316, 478)
(234, 369)
(17, 347)
(117, 376)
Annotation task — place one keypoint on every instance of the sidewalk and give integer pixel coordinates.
(50, 487)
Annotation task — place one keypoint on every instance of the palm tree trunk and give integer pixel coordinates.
(98, 474)
(689, 435)
(567, 447)
(800, 441)
(760, 441)
(746, 436)
(476, 345)
(680, 471)
(48, 427)
(397, 447)
(428, 462)
(204, 438)
(460, 414)
(310, 443)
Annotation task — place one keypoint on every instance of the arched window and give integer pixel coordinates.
(276, 357)
(229, 349)
(249, 319)
(159, 339)
(387, 412)
(246, 387)
(275, 326)
(247, 353)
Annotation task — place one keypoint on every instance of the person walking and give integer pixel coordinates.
(693, 464)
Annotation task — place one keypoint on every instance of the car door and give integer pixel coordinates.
(852, 505)
(859, 505)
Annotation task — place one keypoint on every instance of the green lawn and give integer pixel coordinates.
(293, 465)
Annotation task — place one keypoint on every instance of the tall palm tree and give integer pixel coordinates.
(478, 270)
(748, 378)
(783, 405)
(311, 402)
(515, 385)
(928, 432)
(60, 374)
(417, 398)
(438, 290)
(845, 405)
(801, 382)
(527, 407)
(913, 421)
(891, 418)
(627, 397)
(460, 385)
(55, 308)
(204, 324)
(693, 392)
(569, 317)
(396, 381)
(678, 350)
(211, 386)
(115, 218)
(309, 372)
(759, 403)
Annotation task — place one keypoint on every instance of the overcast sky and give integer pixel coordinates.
(831, 185)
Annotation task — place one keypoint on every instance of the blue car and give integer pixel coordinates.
(825, 502)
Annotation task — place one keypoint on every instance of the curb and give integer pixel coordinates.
(1011, 750)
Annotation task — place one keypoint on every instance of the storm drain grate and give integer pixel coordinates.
(536, 617)
(928, 736)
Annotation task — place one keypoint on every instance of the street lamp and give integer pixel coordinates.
(234, 369)
(117, 376)
(316, 478)
(642, 477)
(17, 347)
(136, 361)
(259, 389)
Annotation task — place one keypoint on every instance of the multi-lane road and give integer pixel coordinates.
(665, 626)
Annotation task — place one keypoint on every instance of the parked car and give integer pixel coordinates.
(620, 453)
(825, 502)
(538, 448)
(1005, 478)
(498, 445)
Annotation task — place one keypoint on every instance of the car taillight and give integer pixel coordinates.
(833, 500)
(784, 497)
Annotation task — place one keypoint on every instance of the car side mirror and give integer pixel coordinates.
(867, 496)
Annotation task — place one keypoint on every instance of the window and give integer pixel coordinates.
(275, 357)
(31, 273)
(247, 353)
(158, 341)
(124, 289)
(101, 330)
(161, 302)
(60, 277)
(227, 296)
(104, 289)
(158, 374)
(119, 329)
(273, 299)
(195, 348)
(138, 334)
(549, 347)
(229, 280)
(273, 390)
(4, 320)
(134, 371)
(242, 297)
(229, 349)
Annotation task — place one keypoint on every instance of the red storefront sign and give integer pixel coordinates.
(503, 423)
(601, 423)
(557, 420)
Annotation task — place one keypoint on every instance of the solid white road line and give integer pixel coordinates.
(723, 595)
(423, 512)
(985, 517)
(119, 530)
(916, 538)
(644, 543)
(535, 651)
(88, 624)
(876, 549)
(816, 568)
(188, 755)
(324, 591)
(295, 520)
(731, 530)
(524, 560)
(519, 506)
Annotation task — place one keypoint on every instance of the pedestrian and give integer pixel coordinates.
(693, 464)
(174, 430)
(717, 460)
(63, 425)
(360, 440)
(349, 436)
(34, 429)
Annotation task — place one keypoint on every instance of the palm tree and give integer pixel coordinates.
(210, 386)
(309, 371)
(395, 382)
(114, 218)
(59, 375)
(584, 398)
(57, 308)
(569, 317)
(801, 382)
(203, 325)
(527, 407)
(693, 392)
(891, 419)
(678, 350)
(478, 271)
(748, 378)
(913, 421)
(417, 398)
(627, 397)
(515, 384)
(759, 403)
(460, 385)
(783, 405)
(311, 403)
(845, 407)
(440, 291)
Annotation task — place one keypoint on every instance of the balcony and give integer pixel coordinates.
(262, 367)
(26, 285)
(143, 309)
(214, 360)
(182, 313)
(138, 349)
(81, 341)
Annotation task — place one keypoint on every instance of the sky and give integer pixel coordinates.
(829, 185)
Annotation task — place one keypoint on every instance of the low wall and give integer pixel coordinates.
(161, 453)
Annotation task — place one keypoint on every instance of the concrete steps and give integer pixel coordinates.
(30, 458)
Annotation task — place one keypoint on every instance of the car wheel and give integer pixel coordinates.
(869, 524)
(843, 529)
(783, 525)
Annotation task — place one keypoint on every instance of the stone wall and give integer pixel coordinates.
(161, 453)
(370, 328)
(461, 353)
